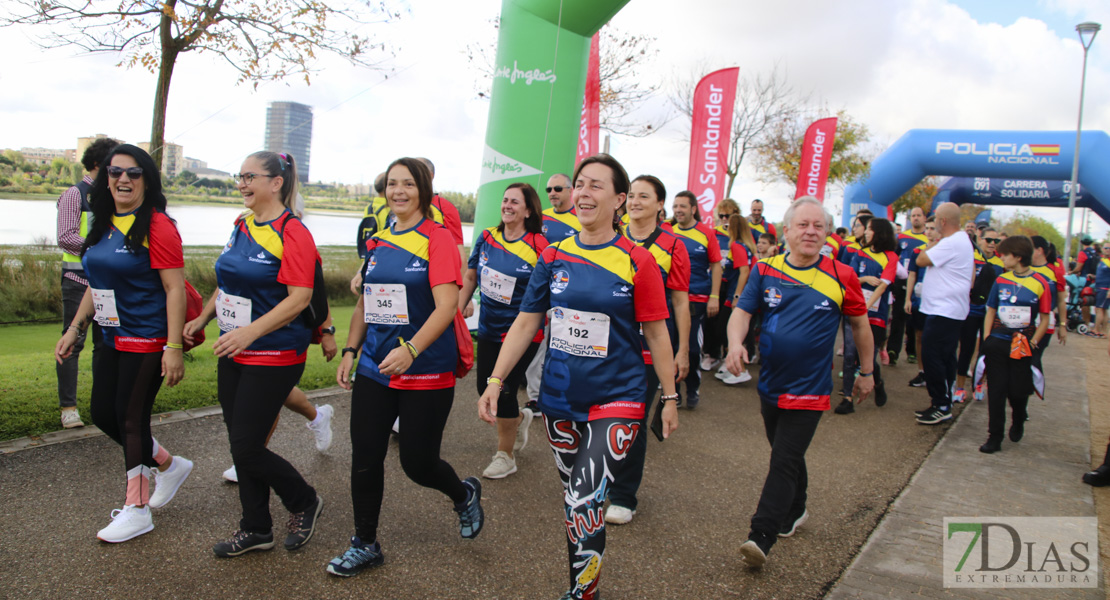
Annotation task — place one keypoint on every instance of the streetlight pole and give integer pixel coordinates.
(1087, 32)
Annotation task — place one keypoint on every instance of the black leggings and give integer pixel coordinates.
(123, 391)
(715, 343)
(423, 415)
(488, 351)
(1008, 380)
(589, 456)
(251, 397)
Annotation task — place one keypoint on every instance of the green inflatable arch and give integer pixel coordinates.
(536, 102)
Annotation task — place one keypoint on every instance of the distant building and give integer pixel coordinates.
(289, 129)
(205, 172)
(41, 156)
(193, 164)
(173, 158)
(83, 143)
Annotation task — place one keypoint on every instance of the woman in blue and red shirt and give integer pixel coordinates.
(597, 288)
(501, 265)
(265, 277)
(402, 325)
(875, 263)
(136, 294)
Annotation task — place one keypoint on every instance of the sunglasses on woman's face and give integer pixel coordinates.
(132, 172)
(724, 216)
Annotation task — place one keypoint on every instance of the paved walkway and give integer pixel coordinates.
(1038, 477)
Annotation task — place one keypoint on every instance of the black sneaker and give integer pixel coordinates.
(918, 413)
(358, 557)
(880, 393)
(755, 550)
(303, 524)
(792, 525)
(992, 445)
(846, 407)
(919, 380)
(911, 359)
(533, 406)
(692, 402)
(242, 542)
(934, 416)
(892, 358)
(1017, 430)
(1100, 477)
(470, 511)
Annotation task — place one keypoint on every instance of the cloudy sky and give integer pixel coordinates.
(891, 64)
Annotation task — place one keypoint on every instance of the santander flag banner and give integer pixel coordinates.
(813, 170)
(710, 138)
(590, 125)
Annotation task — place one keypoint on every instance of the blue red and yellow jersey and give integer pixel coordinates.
(908, 241)
(802, 309)
(259, 263)
(722, 244)
(883, 265)
(504, 268)
(401, 268)
(919, 281)
(1017, 301)
(558, 226)
(674, 265)
(739, 257)
(1102, 274)
(764, 226)
(129, 276)
(703, 249)
(833, 247)
(1054, 275)
(595, 297)
(848, 250)
(445, 213)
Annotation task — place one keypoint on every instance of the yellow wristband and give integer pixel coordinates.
(495, 380)
(174, 346)
(412, 350)
(714, 296)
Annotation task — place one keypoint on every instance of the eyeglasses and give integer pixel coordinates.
(992, 240)
(132, 172)
(556, 189)
(247, 178)
(724, 216)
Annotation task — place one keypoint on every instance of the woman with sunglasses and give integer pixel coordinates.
(501, 264)
(136, 294)
(645, 197)
(265, 277)
(597, 288)
(402, 323)
(714, 327)
(875, 263)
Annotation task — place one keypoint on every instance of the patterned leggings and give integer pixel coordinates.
(589, 456)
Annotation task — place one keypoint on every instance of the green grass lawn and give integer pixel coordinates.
(29, 385)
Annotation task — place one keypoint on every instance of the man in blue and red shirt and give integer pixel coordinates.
(908, 241)
(803, 297)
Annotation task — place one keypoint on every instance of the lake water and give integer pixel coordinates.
(29, 221)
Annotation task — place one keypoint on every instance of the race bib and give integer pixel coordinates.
(917, 289)
(232, 312)
(580, 333)
(867, 298)
(104, 302)
(1015, 317)
(497, 285)
(385, 304)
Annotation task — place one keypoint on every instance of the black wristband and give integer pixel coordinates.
(328, 330)
(349, 349)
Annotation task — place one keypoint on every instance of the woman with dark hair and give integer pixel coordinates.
(136, 294)
(265, 277)
(402, 324)
(645, 197)
(741, 259)
(501, 264)
(875, 263)
(705, 278)
(1016, 321)
(713, 329)
(597, 288)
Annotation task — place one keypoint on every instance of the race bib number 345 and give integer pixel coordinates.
(579, 332)
(385, 304)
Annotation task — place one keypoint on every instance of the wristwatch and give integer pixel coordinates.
(349, 349)
(328, 330)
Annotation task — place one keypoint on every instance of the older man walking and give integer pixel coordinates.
(945, 302)
(802, 296)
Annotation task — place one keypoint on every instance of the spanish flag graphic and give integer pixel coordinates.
(1045, 149)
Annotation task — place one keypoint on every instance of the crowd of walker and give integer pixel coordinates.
(598, 305)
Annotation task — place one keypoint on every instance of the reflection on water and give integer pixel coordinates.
(31, 221)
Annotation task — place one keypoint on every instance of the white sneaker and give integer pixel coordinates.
(166, 483)
(397, 425)
(522, 430)
(128, 522)
(321, 427)
(231, 476)
(71, 418)
(730, 379)
(708, 363)
(722, 372)
(502, 466)
(619, 515)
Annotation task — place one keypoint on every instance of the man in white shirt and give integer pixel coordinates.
(945, 302)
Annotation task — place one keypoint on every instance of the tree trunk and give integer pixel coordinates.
(162, 91)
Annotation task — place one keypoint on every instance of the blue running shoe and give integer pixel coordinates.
(470, 512)
(358, 557)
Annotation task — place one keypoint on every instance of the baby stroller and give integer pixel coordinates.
(1080, 293)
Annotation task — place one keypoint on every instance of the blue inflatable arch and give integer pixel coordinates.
(1018, 192)
(1001, 156)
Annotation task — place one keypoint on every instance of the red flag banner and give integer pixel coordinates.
(710, 138)
(813, 170)
(590, 125)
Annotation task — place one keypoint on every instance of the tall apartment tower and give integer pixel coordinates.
(289, 129)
